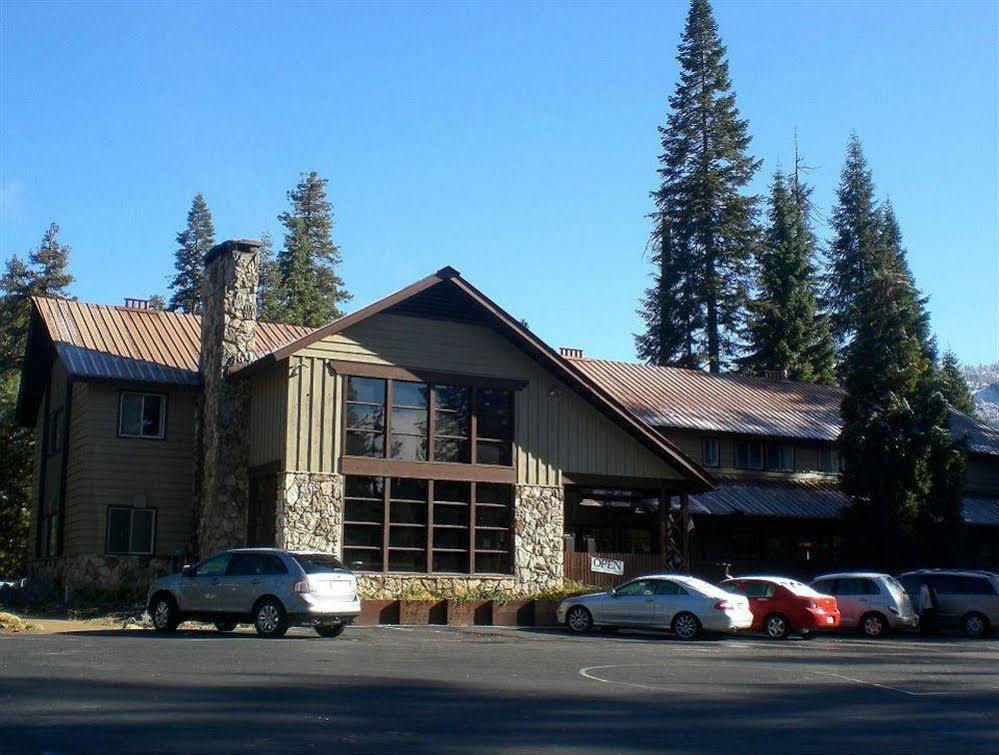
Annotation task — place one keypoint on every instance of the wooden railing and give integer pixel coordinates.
(577, 567)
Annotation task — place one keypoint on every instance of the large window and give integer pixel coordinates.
(130, 530)
(780, 457)
(427, 526)
(141, 415)
(749, 454)
(710, 456)
(412, 421)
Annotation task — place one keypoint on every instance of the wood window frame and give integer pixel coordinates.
(161, 435)
(131, 510)
(749, 464)
(705, 441)
(429, 549)
(386, 466)
(773, 449)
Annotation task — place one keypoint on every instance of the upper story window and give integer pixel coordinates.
(412, 421)
(710, 455)
(142, 415)
(826, 463)
(130, 530)
(780, 457)
(749, 454)
(56, 431)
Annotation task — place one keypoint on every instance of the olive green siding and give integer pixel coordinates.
(268, 419)
(556, 429)
(806, 454)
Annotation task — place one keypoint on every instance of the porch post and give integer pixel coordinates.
(685, 535)
(664, 503)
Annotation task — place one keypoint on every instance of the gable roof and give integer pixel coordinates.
(682, 399)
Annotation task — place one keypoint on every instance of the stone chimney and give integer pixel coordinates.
(228, 337)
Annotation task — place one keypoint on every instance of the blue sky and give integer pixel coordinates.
(516, 142)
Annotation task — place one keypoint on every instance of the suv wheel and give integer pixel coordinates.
(975, 625)
(330, 630)
(269, 618)
(164, 613)
(225, 626)
(873, 625)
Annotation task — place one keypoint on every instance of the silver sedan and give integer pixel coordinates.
(684, 605)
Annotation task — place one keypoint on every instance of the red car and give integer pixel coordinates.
(781, 606)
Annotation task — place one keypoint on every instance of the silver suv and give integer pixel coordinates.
(270, 588)
(968, 599)
(872, 602)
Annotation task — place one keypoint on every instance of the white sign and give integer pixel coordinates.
(606, 565)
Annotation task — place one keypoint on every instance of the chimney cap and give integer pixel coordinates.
(570, 353)
(232, 245)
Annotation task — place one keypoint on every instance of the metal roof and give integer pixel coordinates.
(980, 437)
(980, 509)
(690, 399)
(797, 500)
(101, 341)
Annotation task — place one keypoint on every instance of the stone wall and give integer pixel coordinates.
(309, 512)
(228, 337)
(81, 577)
(539, 522)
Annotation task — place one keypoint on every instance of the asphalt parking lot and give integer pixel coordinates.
(440, 689)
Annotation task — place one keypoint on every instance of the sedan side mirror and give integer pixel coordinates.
(187, 571)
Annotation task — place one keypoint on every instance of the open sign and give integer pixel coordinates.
(606, 565)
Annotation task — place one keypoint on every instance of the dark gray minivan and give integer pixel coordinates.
(968, 599)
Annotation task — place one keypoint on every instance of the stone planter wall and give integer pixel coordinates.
(309, 512)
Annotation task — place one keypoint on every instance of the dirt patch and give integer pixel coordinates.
(10, 624)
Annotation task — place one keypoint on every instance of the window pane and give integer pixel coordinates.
(245, 564)
(408, 513)
(409, 394)
(448, 538)
(452, 491)
(409, 447)
(365, 487)
(360, 535)
(363, 511)
(363, 417)
(451, 423)
(273, 565)
(407, 561)
(213, 567)
(367, 390)
(493, 452)
(491, 401)
(130, 421)
(486, 492)
(152, 408)
(142, 532)
(494, 426)
(454, 563)
(492, 540)
(452, 450)
(404, 489)
(361, 443)
(489, 517)
(364, 560)
(490, 563)
(408, 537)
(451, 397)
(118, 530)
(451, 515)
(409, 422)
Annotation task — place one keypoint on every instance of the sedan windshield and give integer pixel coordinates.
(317, 563)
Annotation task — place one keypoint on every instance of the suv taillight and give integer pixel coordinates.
(302, 586)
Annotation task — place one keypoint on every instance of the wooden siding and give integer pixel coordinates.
(268, 415)
(576, 566)
(312, 443)
(556, 429)
(806, 453)
(140, 472)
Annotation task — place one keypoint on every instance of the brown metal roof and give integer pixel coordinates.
(690, 399)
(104, 342)
(795, 500)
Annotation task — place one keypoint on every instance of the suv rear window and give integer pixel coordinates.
(317, 563)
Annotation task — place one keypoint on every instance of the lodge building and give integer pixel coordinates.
(428, 438)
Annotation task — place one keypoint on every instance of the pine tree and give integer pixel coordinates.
(157, 303)
(787, 333)
(15, 310)
(704, 225)
(902, 468)
(50, 261)
(268, 289)
(856, 224)
(952, 384)
(310, 285)
(194, 242)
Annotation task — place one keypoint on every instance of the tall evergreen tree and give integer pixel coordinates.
(704, 224)
(787, 333)
(45, 274)
(310, 286)
(194, 242)
(856, 224)
(952, 384)
(902, 469)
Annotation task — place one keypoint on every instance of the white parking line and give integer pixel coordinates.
(876, 684)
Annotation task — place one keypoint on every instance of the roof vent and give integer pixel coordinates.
(131, 303)
(570, 353)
